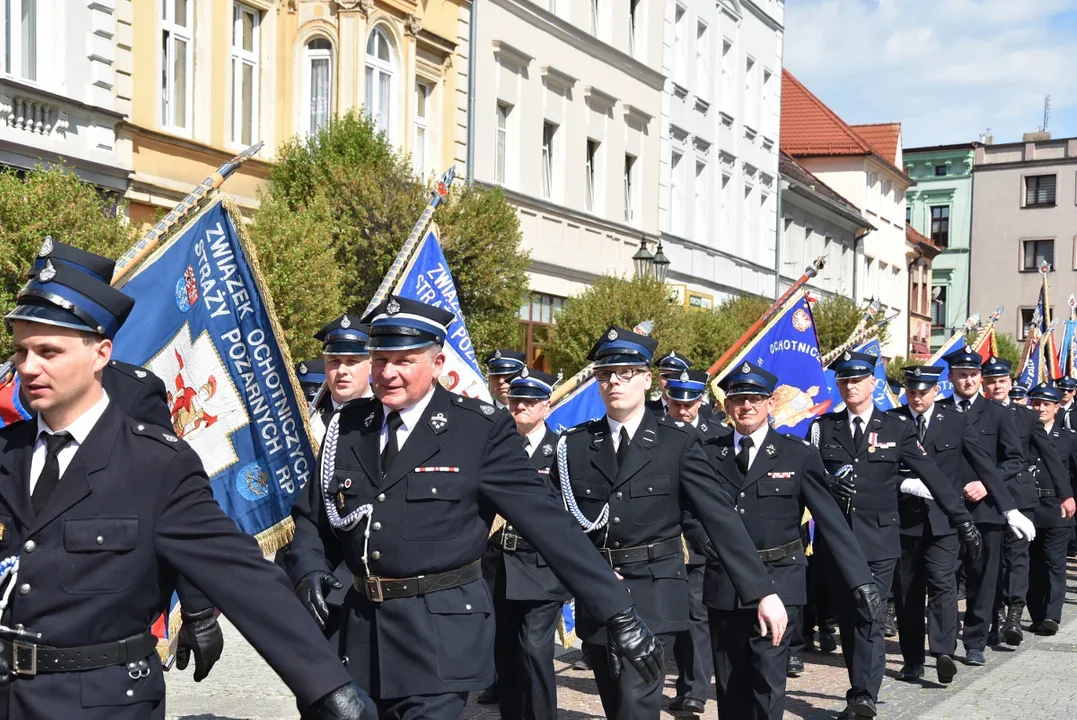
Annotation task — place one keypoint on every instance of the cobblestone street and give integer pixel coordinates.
(1036, 680)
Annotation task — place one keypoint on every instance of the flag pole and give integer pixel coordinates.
(809, 272)
(855, 339)
(989, 326)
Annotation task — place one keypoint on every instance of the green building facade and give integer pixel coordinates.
(940, 207)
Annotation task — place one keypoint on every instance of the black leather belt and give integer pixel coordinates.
(509, 541)
(28, 659)
(1046, 493)
(781, 552)
(379, 589)
(640, 553)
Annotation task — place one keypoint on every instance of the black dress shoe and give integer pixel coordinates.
(890, 622)
(488, 696)
(827, 642)
(911, 672)
(975, 658)
(1048, 627)
(946, 668)
(584, 663)
(693, 705)
(676, 704)
(794, 666)
(863, 706)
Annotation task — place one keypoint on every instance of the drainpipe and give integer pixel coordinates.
(472, 84)
(778, 239)
(908, 294)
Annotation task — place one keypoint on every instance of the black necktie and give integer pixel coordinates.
(622, 446)
(50, 473)
(391, 447)
(921, 427)
(858, 432)
(964, 406)
(742, 457)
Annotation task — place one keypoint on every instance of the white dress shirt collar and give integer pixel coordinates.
(409, 416)
(865, 417)
(83, 424)
(631, 425)
(533, 438)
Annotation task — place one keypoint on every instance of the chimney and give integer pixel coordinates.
(986, 138)
(1038, 136)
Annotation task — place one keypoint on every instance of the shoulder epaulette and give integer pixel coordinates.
(576, 428)
(133, 371)
(896, 412)
(669, 422)
(162, 435)
(799, 439)
(475, 405)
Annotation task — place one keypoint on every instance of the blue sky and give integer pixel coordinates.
(946, 69)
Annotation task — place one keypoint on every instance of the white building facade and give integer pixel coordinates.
(568, 122)
(57, 87)
(719, 164)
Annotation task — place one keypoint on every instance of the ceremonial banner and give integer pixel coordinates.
(1067, 358)
(11, 407)
(987, 346)
(203, 323)
(428, 280)
(581, 405)
(883, 397)
(788, 347)
(1031, 372)
(946, 388)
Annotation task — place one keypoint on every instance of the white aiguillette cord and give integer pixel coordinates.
(329, 466)
(570, 499)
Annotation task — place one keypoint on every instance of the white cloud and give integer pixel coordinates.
(946, 69)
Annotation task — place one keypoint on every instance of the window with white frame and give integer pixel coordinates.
(702, 201)
(19, 38)
(703, 61)
(629, 187)
(421, 150)
(591, 175)
(595, 20)
(380, 71)
(177, 60)
(245, 75)
(676, 193)
(726, 92)
(751, 101)
(635, 48)
(549, 131)
(317, 85)
(501, 148)
(679, 50)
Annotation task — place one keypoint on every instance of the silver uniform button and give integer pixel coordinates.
(376, 526)
(381, 497)
(433, 491)
(741, 511)
(619, 494)
(141, 427)
(375, 555)
(616, 520)
(24, 589)
(29, 546)
(616, 544)
(742, 494)
(100, 539)
(130, 693)
(467, 606)
(587, 491)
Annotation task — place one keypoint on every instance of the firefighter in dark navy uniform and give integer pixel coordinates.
(876, 445)
(502, 365)
(409, 486)
(1053, 516)
(346, 363)
(929, 548)
(311, 376)
(995, 429)
(671, 365)
(772, 478)
(684, 393)
(628, 478)
(93, 549)
(527, 595)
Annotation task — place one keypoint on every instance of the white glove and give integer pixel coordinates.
(915, 486)
(1022, 527)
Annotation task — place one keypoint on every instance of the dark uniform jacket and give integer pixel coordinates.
(665, 472)
(1064, 417)
(1036, 447)
(1048, 513)
(786, 476)
(997, 433)
(873, 512)
(526, 574)
(708, 429)
(100, 563)
(706, 412)
(951, 441)
(461, 464)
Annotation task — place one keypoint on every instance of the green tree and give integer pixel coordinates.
(361, 194)
(52, 200)
(895, 368)
(1008, 348)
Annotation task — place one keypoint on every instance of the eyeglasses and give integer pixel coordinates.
(753, 400)
(624, 374)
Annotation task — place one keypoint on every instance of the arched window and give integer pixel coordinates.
(317, 85)
(380, 81)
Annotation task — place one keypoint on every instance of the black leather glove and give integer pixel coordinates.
(869, 602)
(971, 542)
(200, 633)
(311, 592)
(842, 486)
(5, 666)
(347, 702)
(706, 549)
(628, 637)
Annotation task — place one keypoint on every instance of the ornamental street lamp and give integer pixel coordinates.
(661, 264)
(643, 260)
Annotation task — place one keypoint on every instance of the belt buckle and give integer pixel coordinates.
(506, 545)
(373, 588)
(18, 666)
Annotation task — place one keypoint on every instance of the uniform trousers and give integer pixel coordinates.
(523, 654)
(926, 572)
(1013, 576)
(627, 697)
(1047, 574)
(819, 612)
(795, 628)
(692, 647)
(447, 706)
(862, 643)
(749, 672)
(981, 581)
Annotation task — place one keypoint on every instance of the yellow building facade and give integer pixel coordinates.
(200, 80)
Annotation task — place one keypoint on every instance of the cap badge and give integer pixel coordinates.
(302, 368)
(847, 357)
(393, 307)
(968, 349)
(745, 368)
(497, 354)
(916, 372)
(684, 376)
(993, 360)
(345, 322)
(47, 273)
(46, 247)
(524, 373)
(611, 335)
